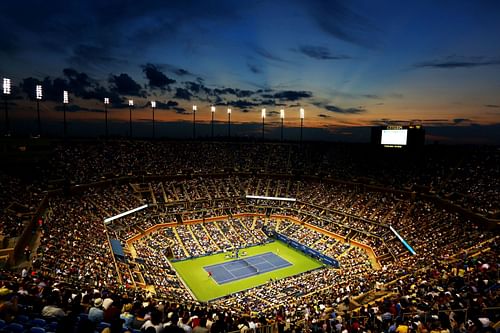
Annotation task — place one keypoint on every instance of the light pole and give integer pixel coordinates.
(301, 114)
(106, 102)
(6, 92)
(229, 122)
(263, 115)
(153, 106)
(130, 105)
(212, 109)
(38, 95)
(65, 101)
(194, 121)
(282, 117)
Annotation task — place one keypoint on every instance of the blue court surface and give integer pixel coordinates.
(246, 267)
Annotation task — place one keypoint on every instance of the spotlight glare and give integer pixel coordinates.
(263, 113)
(106, 100)
(282, 114)
(153, 104)
(212, 108)
(130, 102)
(301, 113)
(65, 97)
(195, 108)
(229, 111)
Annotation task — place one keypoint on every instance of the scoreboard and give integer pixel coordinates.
(396, 136)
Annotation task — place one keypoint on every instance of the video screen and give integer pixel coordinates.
(394, 137)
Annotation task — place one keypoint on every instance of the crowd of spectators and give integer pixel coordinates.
(450, 270)
(468, 176)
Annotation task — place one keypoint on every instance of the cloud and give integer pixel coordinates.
(336, 109)
(268, 55)
(290, 95)
(233, 91)
(125, 85)
(182, 93)
(339, 21)
(155, 77)
(76, 108)
(452, 62)
(322, 115)
(180, 110)
(241, 104)
(492, 106)
(196, 87)
(461, 120)
(182, 72)
(254, 69)
(321, 53)
(85, 55)
(169, 105)
(78, 84)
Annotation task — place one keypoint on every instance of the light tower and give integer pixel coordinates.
(65, 101)
(130, 106)
(301, 115)
(212, 110)
(38, 95)
(229, 122)
(194, 121)
(6, 93)
(282, 117)
(106, 102)
(153, 106)
(263, 115)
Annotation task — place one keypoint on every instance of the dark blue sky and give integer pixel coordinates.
(350, 64)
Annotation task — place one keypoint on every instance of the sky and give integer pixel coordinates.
(350, 65)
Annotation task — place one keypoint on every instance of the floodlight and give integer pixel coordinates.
(263, 113)
(301, 113)
(130, 102)
(195, 108)
(39, 93)
(229, 111)
(106, 100)
(282, 114)
(212, 108)
(153, 104)
(6, 86)
(65, 97)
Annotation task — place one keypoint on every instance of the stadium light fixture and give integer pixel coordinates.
(153, 106)
(282, 117)
(263, 115)
(38, 96)
(301, 115)
(65, 101)
(130, 105)
(229, 122)
(38, 92)
(6, 92)
(212, 109)
(106, 103)
(194, 121)
(128, 212)
(6, 86)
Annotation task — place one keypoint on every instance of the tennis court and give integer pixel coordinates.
(246, 267)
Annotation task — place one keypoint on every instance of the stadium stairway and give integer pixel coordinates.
(179, 241)
(195, 239)
(210, 237)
